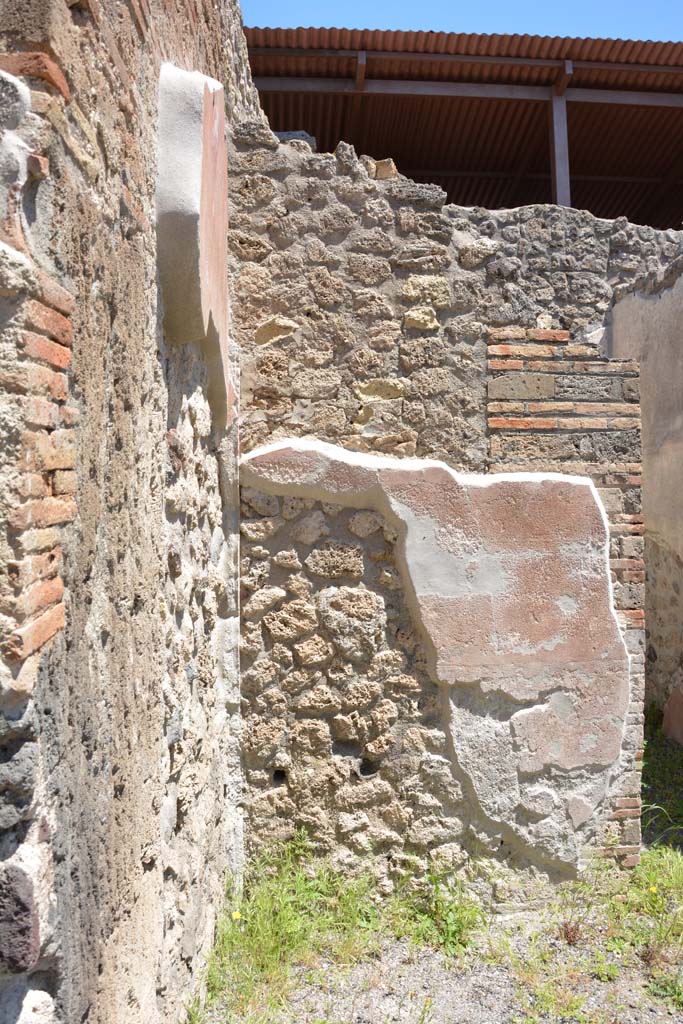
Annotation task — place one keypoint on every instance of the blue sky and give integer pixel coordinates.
(625, 19)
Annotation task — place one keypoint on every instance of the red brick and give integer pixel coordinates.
(53, 294)
(583, 423)
(600, 365)
(68, 415)
(38, 412)
(37, 347)
(32, 485)
(603, 408)
(624, 423)
(48, 451)
(520, 423)
(589, 351)
(48, 321)
(536, 334)
(43, 512)
(624, 813)
(35, 634)
(37, 567)
(33, 542)
(110, 42)
(38, 166)
(633, 614)
(36, 65)
(628, 801)
(505, 364)
(532, 350)
(632, 861)
(39, 380)
(64, 482)
(626, 529)
(40, 596)
(612, 368)
(550, 407)
(551, 366)
(21, 686)
(507, 334)
(505, 407)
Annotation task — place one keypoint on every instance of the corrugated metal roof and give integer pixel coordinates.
(573, 47)
(624, 160)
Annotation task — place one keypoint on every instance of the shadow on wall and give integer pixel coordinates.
(647, 325)
(662, 785)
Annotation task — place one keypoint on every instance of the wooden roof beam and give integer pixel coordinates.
(559, 149)
(398, 87)
(474, 90)
(623, 97)
(353, 117)
(536, 176)
(564, 78)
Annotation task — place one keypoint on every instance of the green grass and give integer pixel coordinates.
(294, 911)
(438, 913)
(298, 920)
(668, 986)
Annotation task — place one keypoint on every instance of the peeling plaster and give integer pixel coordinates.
(507, 579)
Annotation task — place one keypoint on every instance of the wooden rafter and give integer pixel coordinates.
(476, 90)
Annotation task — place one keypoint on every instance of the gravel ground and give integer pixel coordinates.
(404, 985)
(421, 986)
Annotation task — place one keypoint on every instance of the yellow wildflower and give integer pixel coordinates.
(653, 888)
(236, 916)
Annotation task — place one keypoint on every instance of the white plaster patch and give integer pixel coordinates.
(192, 223)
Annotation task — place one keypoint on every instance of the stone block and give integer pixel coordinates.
(19, 920)
(520, 386)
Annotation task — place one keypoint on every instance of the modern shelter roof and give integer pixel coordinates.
(472, 112)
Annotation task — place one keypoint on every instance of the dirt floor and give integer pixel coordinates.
(420, 986)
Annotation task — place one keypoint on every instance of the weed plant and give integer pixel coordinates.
(294, 911)
(297, 920)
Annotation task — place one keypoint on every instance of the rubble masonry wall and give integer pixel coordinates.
(371, 315)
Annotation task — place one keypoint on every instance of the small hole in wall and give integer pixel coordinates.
(368, 767)
(279, 777)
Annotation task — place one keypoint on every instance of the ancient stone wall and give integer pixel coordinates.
(363, 306)
(372, 316)
(120, 736)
